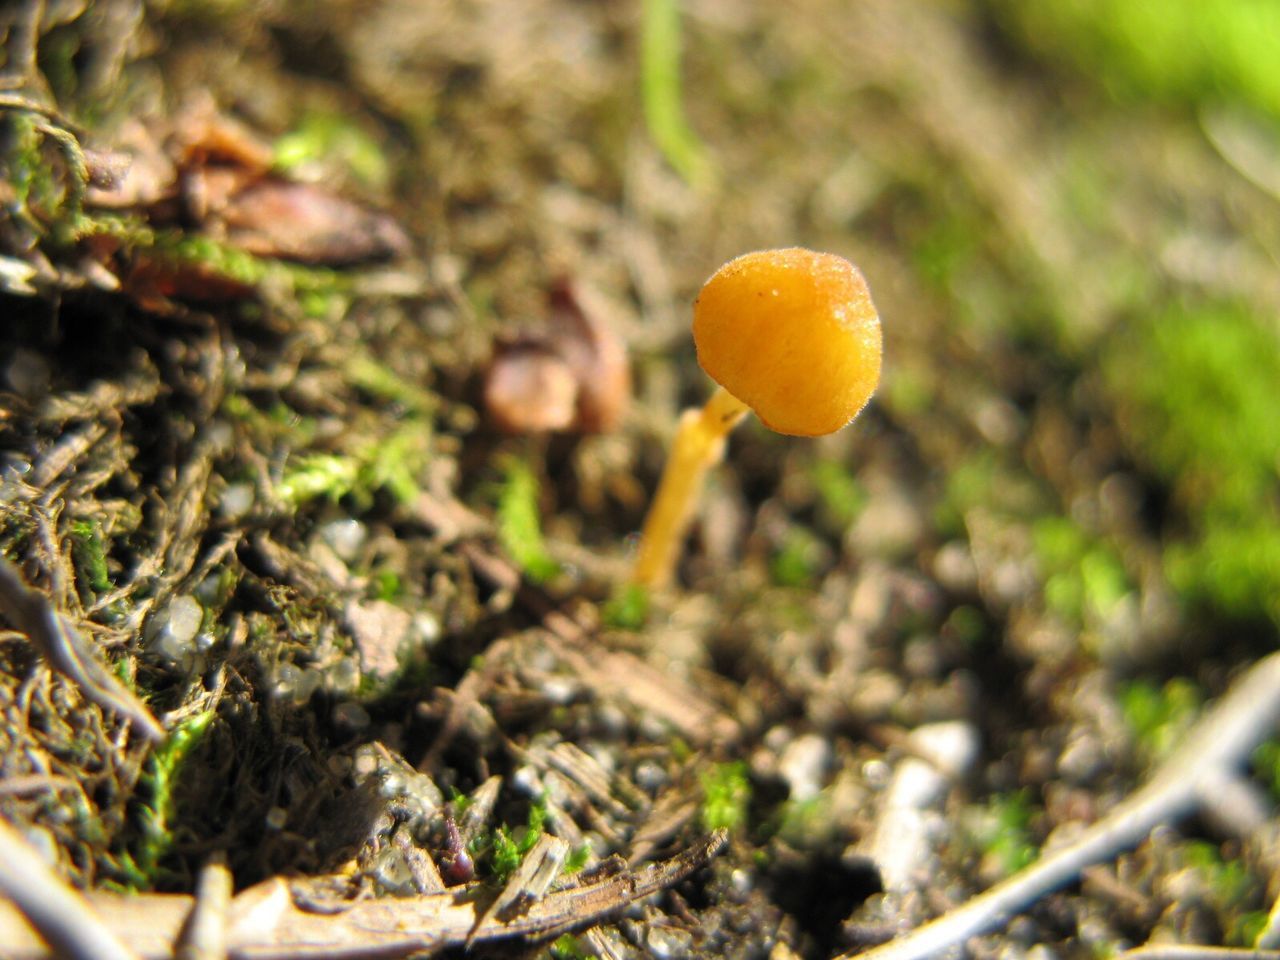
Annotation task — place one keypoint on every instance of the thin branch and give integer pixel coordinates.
(266, 922)
(1221, 741)
(66, 922)
(67, 652)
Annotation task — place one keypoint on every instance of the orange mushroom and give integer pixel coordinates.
(791, 334)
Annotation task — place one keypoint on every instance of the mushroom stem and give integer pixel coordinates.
(699, 445)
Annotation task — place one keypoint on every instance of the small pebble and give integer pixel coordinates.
(951, 746)
(344, 675)
(345, 537)
(28, 373)
(236, 500)
(668, 943)
(351, 716)
(173, 631)
(804, 764)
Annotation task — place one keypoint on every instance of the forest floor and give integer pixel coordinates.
(250, 458)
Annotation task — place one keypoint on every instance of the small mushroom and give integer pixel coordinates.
(571, 375)
(791, 334)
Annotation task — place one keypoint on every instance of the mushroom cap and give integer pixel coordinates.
(794, 335)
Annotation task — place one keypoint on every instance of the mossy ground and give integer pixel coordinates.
(1059, 515)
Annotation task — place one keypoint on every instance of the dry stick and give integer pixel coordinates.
(205, 935)
(266, 922)
(1219, 742)
(68, 652)
(67, 923)
(1170, 951)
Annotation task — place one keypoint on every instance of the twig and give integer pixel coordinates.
(66, 922)
(68, 652)
(1220, 741)
(266, 921)
(205, 934)
(1192, 952)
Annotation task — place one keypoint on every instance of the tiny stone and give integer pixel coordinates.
(185, 614)
(295, 684)
(367, 760)
(173, 631)
(951, 746)
(351, 716)
(650, 777)
(559, 690)
(954, 567)
(277, 817)
(803, 765)
(1081, 760)
(392, 873)
(668, 943)
(344, 675)
(740, 883)
(28, 373)
(427, 627)
(345, 537)
(877, 774)
(236, 500)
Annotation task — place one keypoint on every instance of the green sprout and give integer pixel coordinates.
(661, 91)
(627, 609)
(519, 526)
(1003, 831)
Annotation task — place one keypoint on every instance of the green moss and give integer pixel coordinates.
(1176, 50)
(797, 562)
(726, 791)
(1198, 389)
(375, 378)
(578, 858)
(157, 806)
(505, 848)
(840, 495)
(392, 463)
(332, 138)
(1232, 567)
(1266, 762)
(1230, 888)
(567, 947)
(89, 555)
(985, 481)
(1082, 577)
